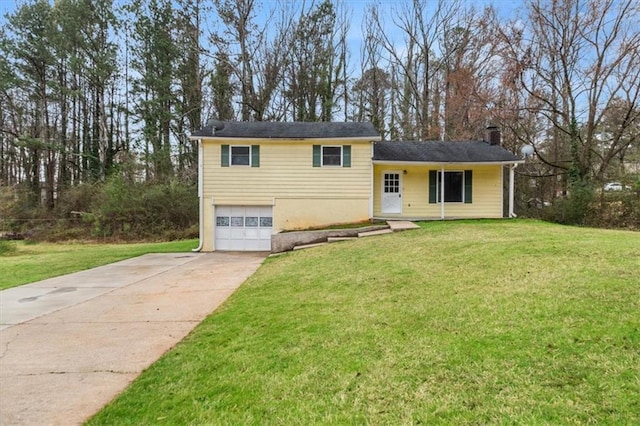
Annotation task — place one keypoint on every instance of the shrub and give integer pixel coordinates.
(136, 210)
(76, 200)
(573, 210)
(616, 210)
(118, 208)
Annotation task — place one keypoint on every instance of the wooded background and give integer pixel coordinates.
(97, 98)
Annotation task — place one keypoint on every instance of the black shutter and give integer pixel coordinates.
(224, 156)
(255, 155)
(346, 155)
(433, 186)
(317, 156)
(468, 186)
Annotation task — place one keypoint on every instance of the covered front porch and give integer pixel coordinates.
(441, 191)
(442, 180)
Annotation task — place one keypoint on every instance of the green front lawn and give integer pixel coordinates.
(22, 262)
(469, 322)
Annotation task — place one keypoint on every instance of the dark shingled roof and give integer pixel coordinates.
(442, 152)
(290, 130)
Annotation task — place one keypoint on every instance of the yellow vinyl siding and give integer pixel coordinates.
(286, 171)
(301, 195)
(486, 195)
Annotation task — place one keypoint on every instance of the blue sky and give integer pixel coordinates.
(357, 8)
(505, 7)
(6, 6)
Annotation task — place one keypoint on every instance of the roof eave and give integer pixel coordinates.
(438, 163)
(289, 139)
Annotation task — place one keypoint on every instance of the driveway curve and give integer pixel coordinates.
(70, 344)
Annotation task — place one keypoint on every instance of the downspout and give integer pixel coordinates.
(371, 178)
(200, 198)
(442, 193)
(512, 189)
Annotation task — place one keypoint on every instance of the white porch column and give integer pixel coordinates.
(512, 169)
(442, 193)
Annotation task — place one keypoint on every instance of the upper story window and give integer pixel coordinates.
(240, 155)
(331, 155)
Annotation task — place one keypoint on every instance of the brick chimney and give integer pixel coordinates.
(492, 135)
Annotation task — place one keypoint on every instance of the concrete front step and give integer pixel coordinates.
(336, 239)
(373, 233)
(401, 225)
(306, 246)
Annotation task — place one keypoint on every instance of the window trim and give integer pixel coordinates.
(226, 155)
(318, 157)
(231, 147)
(436, 184)
(322, 147)
(439, 186)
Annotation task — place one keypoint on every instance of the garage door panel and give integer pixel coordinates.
(238, 211)
(264, 233)
(223, 233)
(243, 228)
(223, 211)
(237, 234)
(237, 245)
(252, 234)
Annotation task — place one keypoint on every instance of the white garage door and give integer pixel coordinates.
(243, 228)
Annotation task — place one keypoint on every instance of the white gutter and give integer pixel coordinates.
(431, 163)
(200, 197)
(512, 189)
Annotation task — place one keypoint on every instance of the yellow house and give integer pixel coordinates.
(260, 178)
(257, 179)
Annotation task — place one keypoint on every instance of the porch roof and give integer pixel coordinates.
(442, 152)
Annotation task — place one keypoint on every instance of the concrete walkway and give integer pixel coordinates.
(69, 345)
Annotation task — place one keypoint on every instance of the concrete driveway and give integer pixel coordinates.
(69, 345)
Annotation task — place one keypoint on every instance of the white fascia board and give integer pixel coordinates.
(320, 141)
(432, 163)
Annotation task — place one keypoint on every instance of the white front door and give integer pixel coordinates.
(391, 193)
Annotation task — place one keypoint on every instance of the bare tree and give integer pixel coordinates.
(314, 79)
(371, 91)
(573, 59)
(422, 27)
(254, 55)
(469, 68)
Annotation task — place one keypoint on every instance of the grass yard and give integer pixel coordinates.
(22, 262)
(470, 322)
